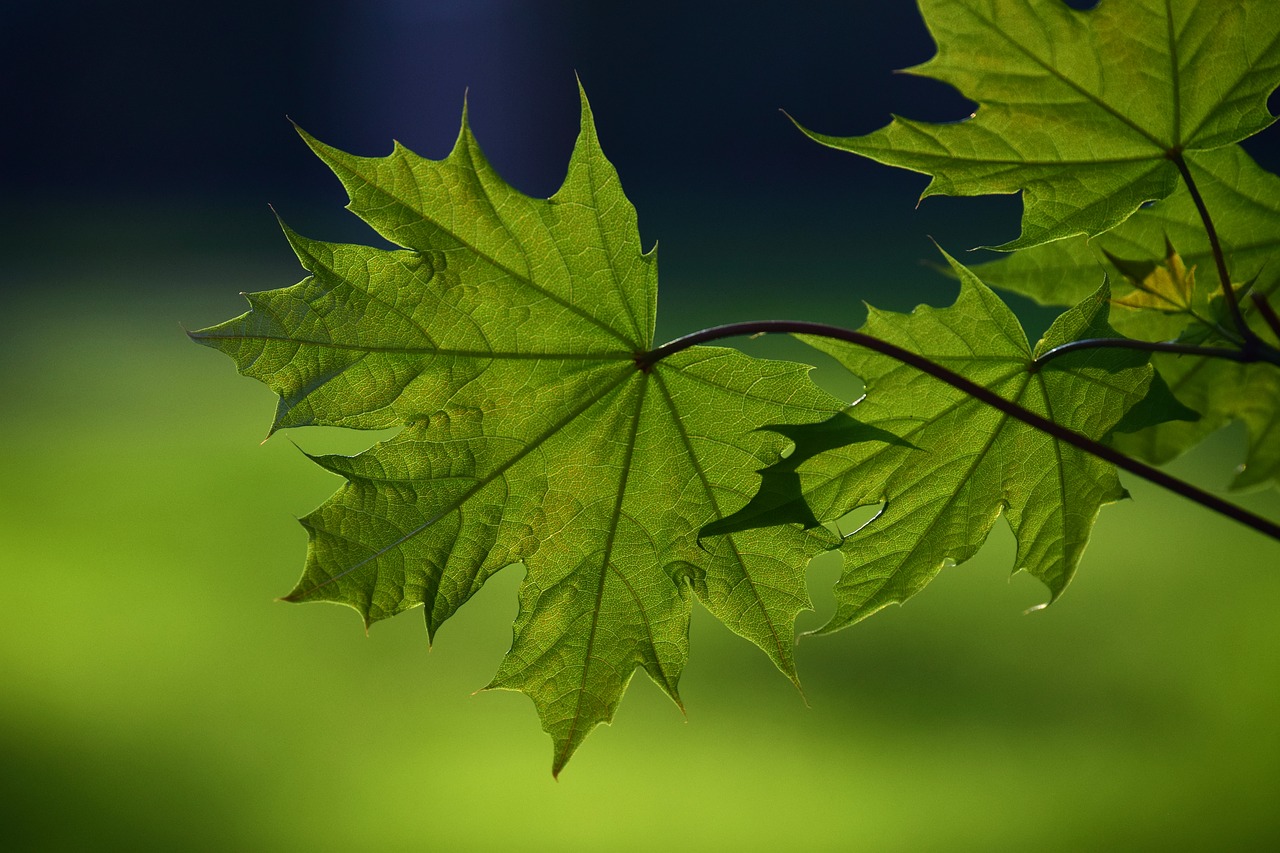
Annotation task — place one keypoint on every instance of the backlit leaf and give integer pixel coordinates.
(1082, 110)
(504, 338)
(946, 465)
(1244, 201)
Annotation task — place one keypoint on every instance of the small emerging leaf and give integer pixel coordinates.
(1167, 286)
(1244, 201)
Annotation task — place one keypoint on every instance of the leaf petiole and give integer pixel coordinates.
(1229, 296)
(1268, 313)
(1206, 499)
(1228, 353)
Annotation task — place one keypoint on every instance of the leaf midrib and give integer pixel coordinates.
(460, 353)
(480, 483)
(1067, 81)
(524, 279)
(607, 566)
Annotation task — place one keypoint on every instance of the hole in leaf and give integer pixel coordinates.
(324, 440)
(856, 519)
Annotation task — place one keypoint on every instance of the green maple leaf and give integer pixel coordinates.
(1244, 201)
(1221, 391)
(504, 337)
(946, 465)
(1085, 112)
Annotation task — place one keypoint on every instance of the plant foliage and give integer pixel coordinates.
(1245, 201)
(1081, 110)
(960, 464)
(504, 336)
(510, 340)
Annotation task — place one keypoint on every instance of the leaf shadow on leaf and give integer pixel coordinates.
(781, 499)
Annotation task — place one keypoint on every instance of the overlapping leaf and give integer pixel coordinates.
(507, 338)
(1083, 111)
(1244, 201)
(946, 465)
(1167, 286)
(504, 337)
(1222, 391)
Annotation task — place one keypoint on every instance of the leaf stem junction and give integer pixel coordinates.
(1251, 343)
(645, 361)
(1244, 356)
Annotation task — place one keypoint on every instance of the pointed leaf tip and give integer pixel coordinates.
(960, 464)
(1092, 161)
(531, 436)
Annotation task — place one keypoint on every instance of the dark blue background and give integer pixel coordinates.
(155, 98)
(147, 125)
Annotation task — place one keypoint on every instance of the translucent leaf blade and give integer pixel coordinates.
(1081, 112)
(504, 340)
(956, 464)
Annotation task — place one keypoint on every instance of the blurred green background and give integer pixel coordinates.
(155, 696)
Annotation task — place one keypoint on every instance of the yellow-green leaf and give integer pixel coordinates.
(503, 337)
(945, 465)
(1083, 112)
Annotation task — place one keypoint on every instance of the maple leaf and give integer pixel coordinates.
(1088, 113)
(1167, 286)
(945, 464)
(505, 337)
(1221, 391)
(1245, 202)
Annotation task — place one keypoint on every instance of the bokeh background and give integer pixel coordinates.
(153, 695)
